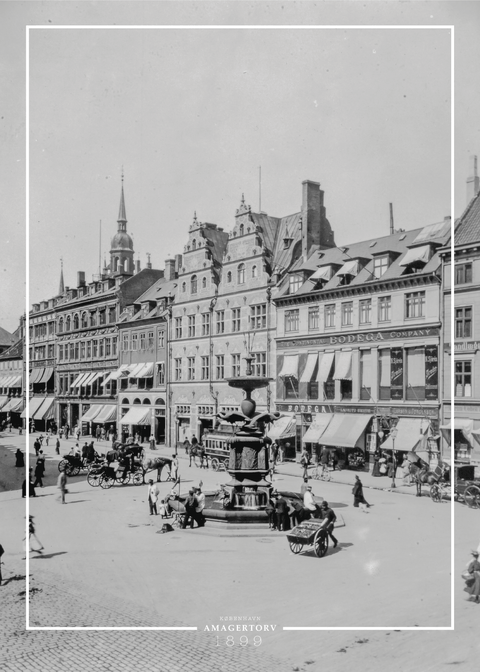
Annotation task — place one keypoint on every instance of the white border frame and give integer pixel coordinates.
(450, 28)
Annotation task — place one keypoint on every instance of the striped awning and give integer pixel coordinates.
(3, 400)
(88, 379)
(119, 373)
(307, 374)
(107, 414)
(134, 373)
(138, 415)
(13, 406)
(17, 381)
(98, 375)
(46, 375)
(316, 429)
(345, 430)
(92, 413)
(283, 427)
(325, 367)
(45, 410)
(290, 367)
(410, 433)
(36, 374)
(76, 381)
(343, 365)
(323, 273)
(146, 371)
(33, 406)
(416, 255)
(349, 268)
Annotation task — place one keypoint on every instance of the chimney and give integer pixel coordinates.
(169, 273)
(473, 182)
(316, 230)
(81, 279)
(178, 262)
(137, 266)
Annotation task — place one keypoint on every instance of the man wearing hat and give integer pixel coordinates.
(474, 570)
(152, 497)
(191, 504)
(329, 518)
(309, 503)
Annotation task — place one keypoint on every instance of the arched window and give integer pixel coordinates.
(254, 272)
(160, 402)
(229, 276)
(194, 244)
(93, 319)
(60, 325)
(137, 401)
(241, 229)
(75, 321)
(146, 402)
(84, 320)
(68, 323)
(184, 286)
(193, 284)
(241, 274)
(125, 401)
(204, 283)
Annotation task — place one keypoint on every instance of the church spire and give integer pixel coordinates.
(122, 216)
(61, 288)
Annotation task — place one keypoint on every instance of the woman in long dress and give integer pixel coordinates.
(474, 570)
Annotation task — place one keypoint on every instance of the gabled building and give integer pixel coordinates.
(358, 341)
(12, 380)
(223, 307)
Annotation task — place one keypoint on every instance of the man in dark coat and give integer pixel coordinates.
(299, 513)
(281, 511)
(191, 504)
(39, 470)
(330, 517)
(357, 493)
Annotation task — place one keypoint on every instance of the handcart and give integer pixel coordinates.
(309, 533)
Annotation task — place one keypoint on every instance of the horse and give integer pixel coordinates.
(421, 474)
(152, 463)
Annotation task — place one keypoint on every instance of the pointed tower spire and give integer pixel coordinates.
(61, 287)
(122, 216)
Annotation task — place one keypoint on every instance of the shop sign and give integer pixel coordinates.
(431, 372)
(396, 373)
(463, 346)
(415, 411)
(362, 337)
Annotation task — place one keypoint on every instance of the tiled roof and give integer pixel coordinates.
(218, 242)
(468, 230)
(14, 352)
(274, 230)
(6, 338)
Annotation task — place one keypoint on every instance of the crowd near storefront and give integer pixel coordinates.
(354, 338)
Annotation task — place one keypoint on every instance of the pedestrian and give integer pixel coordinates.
(309, 503)
(334, 458)
(37, 445)
(358, 498)
(47, 438)
(273, 455)
(190, 509)
(281, 511)
(152, 497)
(19, 458)
(62, 485)
(304, 486)
(376, 463)
(200, 506)
(174, 465)
(270, 511)
(304, 462)
(31, 533)
(474, 571)
(1, 563)
(186, 446)
(201, 455)
(57, 446)
(152, 442)
(298, 514)
(39, 470)
(31, 488)
(329, 516)
(193, 452)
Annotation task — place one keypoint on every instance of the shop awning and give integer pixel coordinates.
(283, 428)
(119, 373)
(17, 381)
(34, 405)
(92, 412)
(35, 375)
(415, 255)
(309, 368)
(108, 414)
(13, 406)
(3, 401)
(325, 367)
(136, 370)
(77, 380)
(343, 365)
(88, 380)
(4, 382)
(349, 268)
(323, 273)
(138, 415)
(317, 428)
(46, 375)
(290, 367)
(345, 430)
(410, 434)
(98, 375)
(465, 425)
(45, 410)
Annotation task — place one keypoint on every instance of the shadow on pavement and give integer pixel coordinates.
(17, 577)
(47, 556)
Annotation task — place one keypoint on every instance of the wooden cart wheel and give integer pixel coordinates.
(93, 479)
(74, 470)
(106, 481)
(295, 547)
(472, 496)
(320, 543)
(435, 493)
(138, 478)
(215, 463)
(62, 464)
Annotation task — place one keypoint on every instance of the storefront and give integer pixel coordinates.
(465, 437)
(137, 422)
(284, 431)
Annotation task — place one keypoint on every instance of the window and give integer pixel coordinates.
(291, 388)
(259, 363)
(108, 347)
(414, 304)
(77, 350)
(60, 325)
(365, 311)
(111, 314)
(194, 244)
(313, 318)
(193, 284)
(125, 342)
(204, 283)
(102, 315)
(190, 368)
(161, 373)
(143, 341)
(291, 320)
(463, 322)
(220, 321)
(93, 319)
(380, 265)
(220, 367)
(161, 339)
(206, 324)
(365, 374)
(347, 314)
(415, 368)
(178, 327)
(384, 308)
(178, 369)
(463, 273)
(75, 321)
(94, 348)
(114, 346)
(68, 323)
(241, 230)
(60, 352)
(295, 283)
(51, 327)
(205, 368)
(258, 316)
(236, 365)
(100, 347)
(330, 315)
(51, 351)
(254, 272)
(384, 375)
(84, 320)
(463, 379)
(89, 349)
(241, 274)
(191, 326)
(235, 319)
(150, 340)
(134, 341)
(83, 349)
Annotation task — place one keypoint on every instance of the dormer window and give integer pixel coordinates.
(296, 281)
(348, 271)
(416, 259)
(322, 275)
(380, 265)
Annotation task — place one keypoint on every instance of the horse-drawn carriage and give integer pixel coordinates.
(309, 533)
(74, 464)
(466, 488)
(105, 475)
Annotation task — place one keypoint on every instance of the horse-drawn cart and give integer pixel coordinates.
(466, 488)
(309, 533)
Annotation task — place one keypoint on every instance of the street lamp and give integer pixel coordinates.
(393, 434)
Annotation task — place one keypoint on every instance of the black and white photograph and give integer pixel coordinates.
(239, 421)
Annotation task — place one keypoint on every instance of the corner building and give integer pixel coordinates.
(223, 307)
(358, 341)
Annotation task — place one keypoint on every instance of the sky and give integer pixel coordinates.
(191, 115)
